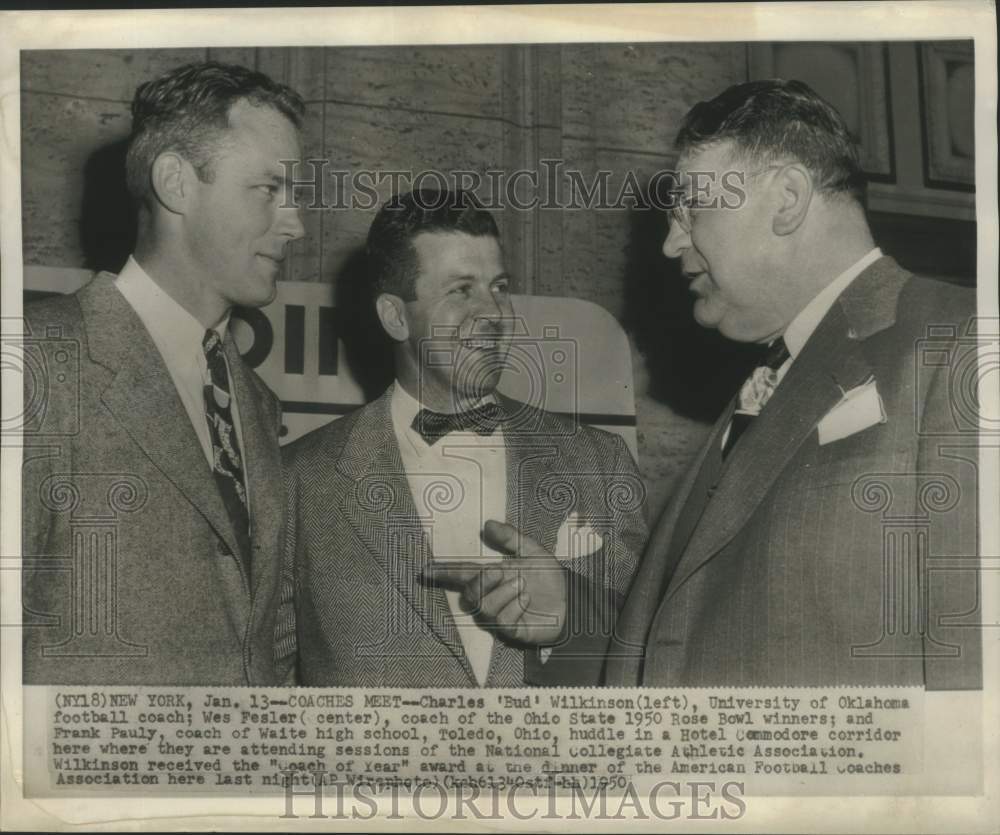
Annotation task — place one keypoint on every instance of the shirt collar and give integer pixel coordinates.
(175, 332)
(403, 408)
(802, 326)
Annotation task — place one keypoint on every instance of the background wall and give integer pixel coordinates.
(595, 107)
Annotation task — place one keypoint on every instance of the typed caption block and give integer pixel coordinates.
(154, 740)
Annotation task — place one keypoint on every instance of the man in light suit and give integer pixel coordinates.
(826, 533)
(440, 467)
(152, 502)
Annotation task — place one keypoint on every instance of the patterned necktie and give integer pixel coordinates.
(756, 391)
(433, 426)
(227, 463)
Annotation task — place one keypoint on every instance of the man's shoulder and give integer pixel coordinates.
(933, 299)
(930, 307)
(319, 447)
(97, 305)
(890, 303)
(59, 311)
(532, 425)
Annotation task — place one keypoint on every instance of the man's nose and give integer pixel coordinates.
(290, 223)
(678, 239)
(493, 307)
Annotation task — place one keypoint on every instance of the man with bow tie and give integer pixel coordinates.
(446, 535)
(826, 533)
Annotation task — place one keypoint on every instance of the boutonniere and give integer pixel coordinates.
(757, 390)
(858, 409)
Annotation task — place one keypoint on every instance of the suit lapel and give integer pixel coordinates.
(538, 500)
(380, 507)
(143, 398)
(262, 459)
(674, 531)
(662, 553)
(831, 363)
(536, 505)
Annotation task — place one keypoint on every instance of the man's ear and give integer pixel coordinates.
(795, 192)
(170, 177)
(392, 315)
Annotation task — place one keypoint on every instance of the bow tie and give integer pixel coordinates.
(433, 426)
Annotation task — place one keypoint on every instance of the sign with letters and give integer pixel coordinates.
(295, 344)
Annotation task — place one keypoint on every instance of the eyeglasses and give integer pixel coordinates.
(681, 213)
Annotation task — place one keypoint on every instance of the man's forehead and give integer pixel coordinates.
(455, 244)
(715, 159)
(259, 116)
(263, 131)
(449, 253)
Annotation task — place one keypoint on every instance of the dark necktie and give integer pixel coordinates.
(433, 426)
(756, 391)
(227, 463)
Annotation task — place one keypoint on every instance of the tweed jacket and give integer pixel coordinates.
(796, 562)
(364, 617)
(131, 568)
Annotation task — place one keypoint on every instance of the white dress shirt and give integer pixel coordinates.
(178, 337)
(805, 323)
(457, 484)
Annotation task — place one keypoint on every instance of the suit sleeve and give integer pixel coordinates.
(594, 602)
(947, 490)
(46, 448)
(45, 429)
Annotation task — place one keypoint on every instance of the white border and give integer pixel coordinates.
(466, 25)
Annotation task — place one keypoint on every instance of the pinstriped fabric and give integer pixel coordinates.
(364, 618)
(815, 576)
(626, 650)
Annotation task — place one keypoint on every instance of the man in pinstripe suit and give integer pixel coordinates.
(826, 533)
(397, 508)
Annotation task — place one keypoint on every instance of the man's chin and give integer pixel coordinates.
(705, 316)
(474, 388)
(480, 387)
(482, 363)
(261, 295)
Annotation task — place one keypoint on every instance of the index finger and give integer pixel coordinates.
(464, 572)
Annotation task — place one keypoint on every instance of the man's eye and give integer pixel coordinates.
(461, 289)
(501, 287)
(269, 190)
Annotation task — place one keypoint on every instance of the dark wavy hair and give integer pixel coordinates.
(187, 111)
(392, 263)
(772, 120)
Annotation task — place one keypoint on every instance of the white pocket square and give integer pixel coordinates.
(860, 408)
(576, 538)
